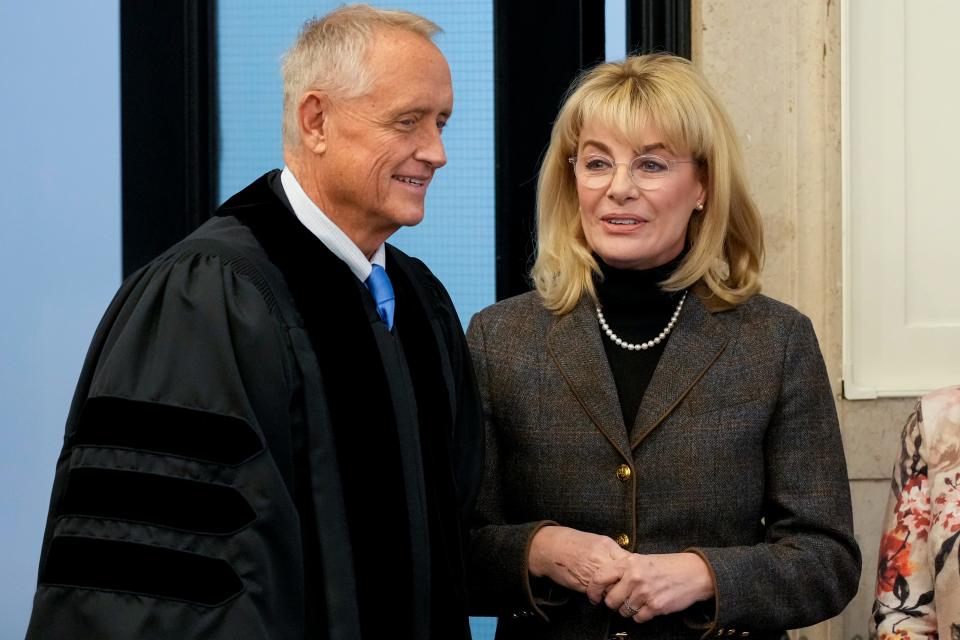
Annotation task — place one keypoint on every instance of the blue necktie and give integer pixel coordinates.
(379, 284)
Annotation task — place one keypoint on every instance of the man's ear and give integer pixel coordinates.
(313, 118)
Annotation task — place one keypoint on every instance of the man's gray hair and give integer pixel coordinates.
(330, 55)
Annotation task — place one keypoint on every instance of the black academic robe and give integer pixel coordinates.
(250, 453)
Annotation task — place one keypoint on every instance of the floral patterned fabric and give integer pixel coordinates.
(918, 575)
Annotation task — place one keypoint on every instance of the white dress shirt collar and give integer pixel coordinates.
(333, 238)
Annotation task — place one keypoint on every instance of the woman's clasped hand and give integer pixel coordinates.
(635, 585)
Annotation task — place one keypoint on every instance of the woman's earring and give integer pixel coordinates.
(699, 206)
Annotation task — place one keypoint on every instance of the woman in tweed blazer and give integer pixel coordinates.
(719, 506)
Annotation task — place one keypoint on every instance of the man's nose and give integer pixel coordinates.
(431, 149)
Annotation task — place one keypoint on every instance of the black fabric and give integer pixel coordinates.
(636, 310)
(361, 413)
(251, 331)
(319, 607)
(178, 431)
(447, 576)
(188, 505)
(136, 568)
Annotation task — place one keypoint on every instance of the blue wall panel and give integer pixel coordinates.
(59, 250)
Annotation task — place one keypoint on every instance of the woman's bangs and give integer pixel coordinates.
(628, 112)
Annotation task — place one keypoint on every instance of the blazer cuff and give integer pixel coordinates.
(703, 616)
(501, 583)
(541, 591)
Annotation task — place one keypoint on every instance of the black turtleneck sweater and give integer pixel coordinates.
(637, 310)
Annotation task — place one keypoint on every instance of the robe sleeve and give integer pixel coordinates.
(169, 517)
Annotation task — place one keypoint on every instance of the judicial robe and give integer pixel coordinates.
(251, 453)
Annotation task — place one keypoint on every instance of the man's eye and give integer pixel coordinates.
(407, 122)
(441, 125)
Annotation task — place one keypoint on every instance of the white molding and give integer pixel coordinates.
(900, 329)
(850, 390)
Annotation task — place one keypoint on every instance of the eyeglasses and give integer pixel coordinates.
(648, 172)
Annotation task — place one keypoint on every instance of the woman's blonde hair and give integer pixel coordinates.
(725, 240)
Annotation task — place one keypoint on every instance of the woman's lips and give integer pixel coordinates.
(622, 222)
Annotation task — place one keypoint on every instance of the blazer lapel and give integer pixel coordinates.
(573, 343)
(696, 343)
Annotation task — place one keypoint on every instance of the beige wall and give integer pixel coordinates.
(776, 64)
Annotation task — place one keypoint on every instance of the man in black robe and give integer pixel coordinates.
(264, 444)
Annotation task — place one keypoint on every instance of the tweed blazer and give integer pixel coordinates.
(735, 454)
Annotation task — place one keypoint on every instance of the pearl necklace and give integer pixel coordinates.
(643, 345)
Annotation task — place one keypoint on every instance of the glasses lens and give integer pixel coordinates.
(648, 171)
(594, 170)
